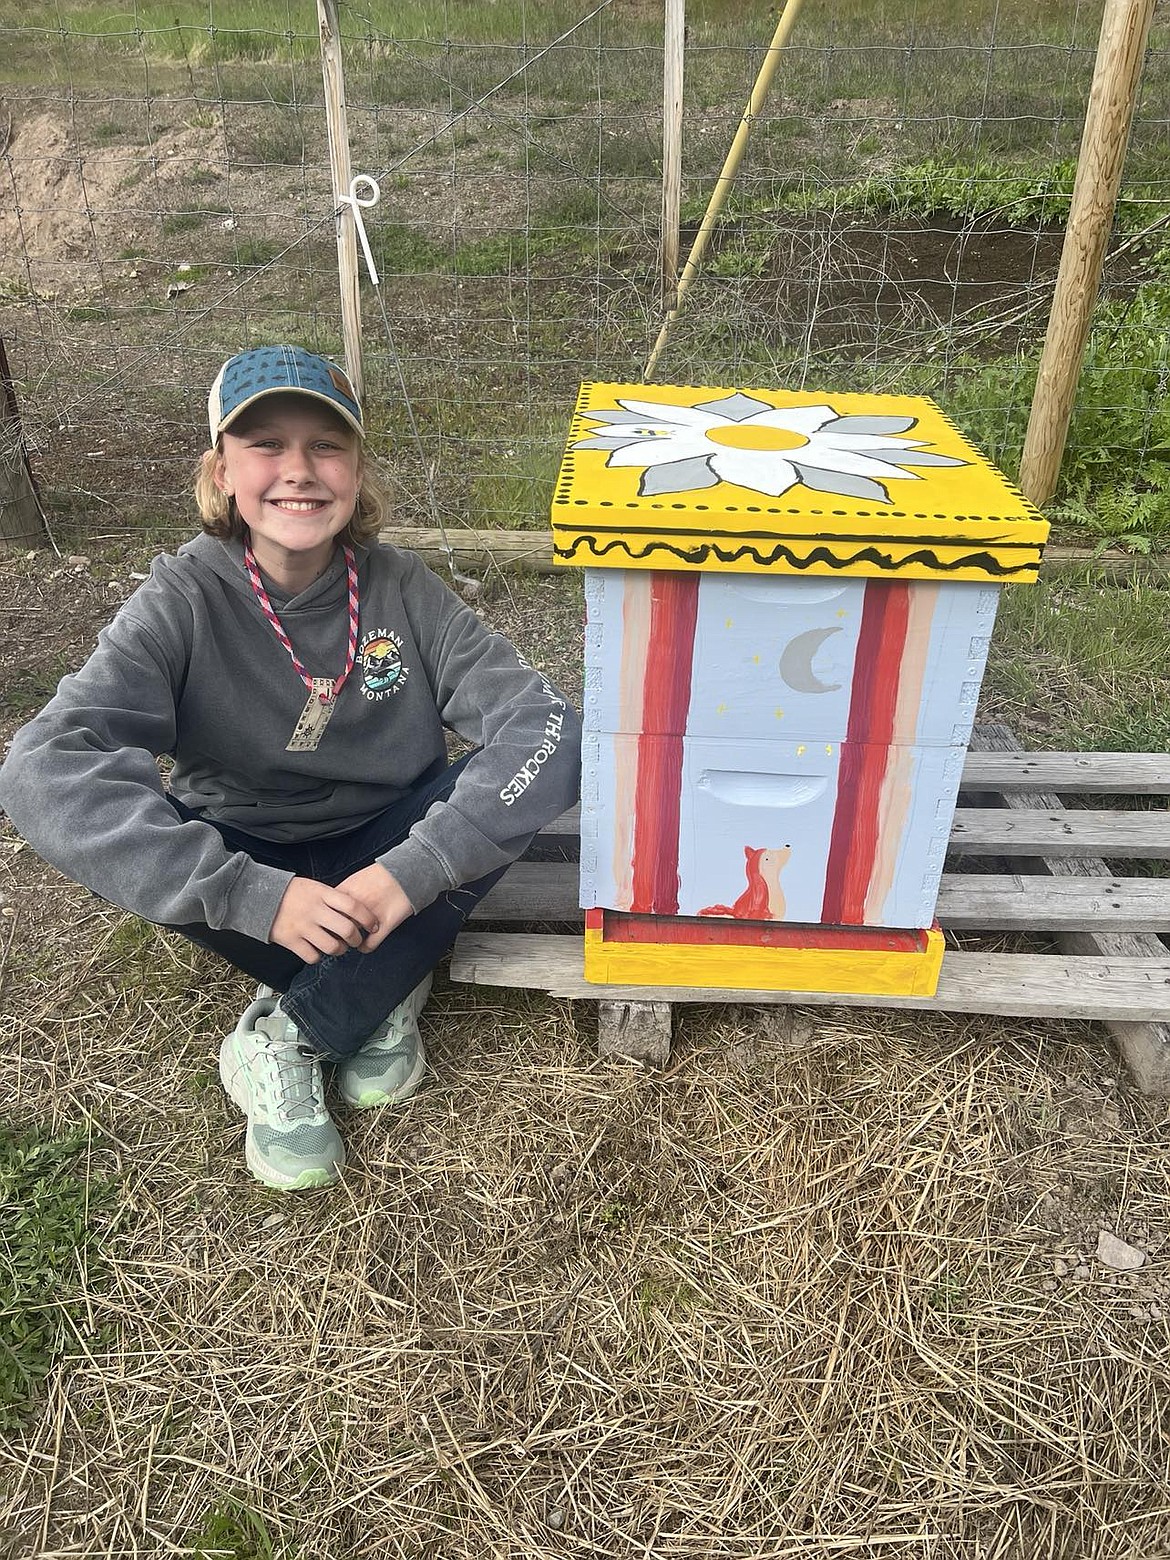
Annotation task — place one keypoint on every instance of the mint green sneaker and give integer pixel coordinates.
(390, 1066)
(275, 1079)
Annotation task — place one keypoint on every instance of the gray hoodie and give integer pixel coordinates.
(191, 667)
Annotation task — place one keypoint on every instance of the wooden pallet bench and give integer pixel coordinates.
(1049, 879)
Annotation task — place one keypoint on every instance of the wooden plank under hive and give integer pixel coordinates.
(782, 668)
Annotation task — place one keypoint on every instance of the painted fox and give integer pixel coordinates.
(763, 898)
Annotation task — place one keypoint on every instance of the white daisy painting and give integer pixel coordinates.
(764, 448)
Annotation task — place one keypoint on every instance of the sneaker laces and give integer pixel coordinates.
(297, 1072)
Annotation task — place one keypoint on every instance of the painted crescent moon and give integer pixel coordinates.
(797, 657)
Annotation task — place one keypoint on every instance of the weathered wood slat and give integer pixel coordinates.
(1145, 1046)
(1011, 985)
(1001, 902)
(533, 891)
(990, 831)
(1084, 774)
(1016, 902)
(569, 823)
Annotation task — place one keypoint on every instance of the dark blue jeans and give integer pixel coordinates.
(337, 1003)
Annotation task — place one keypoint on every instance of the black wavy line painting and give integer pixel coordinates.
(700, 552)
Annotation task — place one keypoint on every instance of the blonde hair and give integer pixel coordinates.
(221, 518)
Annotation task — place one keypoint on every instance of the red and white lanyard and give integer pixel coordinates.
(323, 691)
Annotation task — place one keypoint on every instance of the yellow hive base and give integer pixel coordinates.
(862, 963)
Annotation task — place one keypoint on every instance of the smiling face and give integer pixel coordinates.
(294, 470)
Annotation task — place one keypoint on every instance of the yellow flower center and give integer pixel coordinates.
(756, 436)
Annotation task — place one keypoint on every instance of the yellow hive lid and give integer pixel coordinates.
(785, 482)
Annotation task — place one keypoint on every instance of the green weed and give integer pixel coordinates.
(257, 251)
(744, 256)
(190, 273)
(48, 1242)
(1134, 515)
(401, 250)
(278, 136)
(233, 1531)
(665, 1293)
(191, 217)
(27, 689)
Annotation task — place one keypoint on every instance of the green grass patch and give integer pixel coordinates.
(277, 136)
(48, 1248)
(255, 252)
(109, 130)
(233, 1531)
(1016, 192)
(513, 482)
(27, 689)
(192, 217)
(401, 250)
(191, 273)
(1084, 665)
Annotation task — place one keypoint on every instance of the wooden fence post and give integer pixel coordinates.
(333, 75)
(1120, 51)
(21, 518)
(672, 123)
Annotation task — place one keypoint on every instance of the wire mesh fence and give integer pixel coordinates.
(896, 226)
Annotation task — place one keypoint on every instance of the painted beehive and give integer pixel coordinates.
(782, 668)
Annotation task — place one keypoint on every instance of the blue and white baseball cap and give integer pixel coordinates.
(262, 371)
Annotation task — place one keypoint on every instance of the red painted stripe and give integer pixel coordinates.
(666, 696)
(865, 752)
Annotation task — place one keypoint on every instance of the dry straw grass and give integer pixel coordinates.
(796, 1297)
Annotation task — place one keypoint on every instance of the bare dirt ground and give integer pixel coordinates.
(828, 1286)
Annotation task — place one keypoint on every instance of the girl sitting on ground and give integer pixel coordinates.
(312, 832)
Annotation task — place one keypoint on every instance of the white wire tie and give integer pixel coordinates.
(358, 203)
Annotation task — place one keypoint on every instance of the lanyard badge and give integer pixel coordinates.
(323, 691)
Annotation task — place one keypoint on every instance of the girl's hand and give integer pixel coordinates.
(385, 904)
(314, 919)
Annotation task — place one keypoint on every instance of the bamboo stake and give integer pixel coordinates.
(727, 175)
(1120, 51)
(336, 119)
(672, 123)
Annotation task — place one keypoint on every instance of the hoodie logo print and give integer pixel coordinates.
(383, 672)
